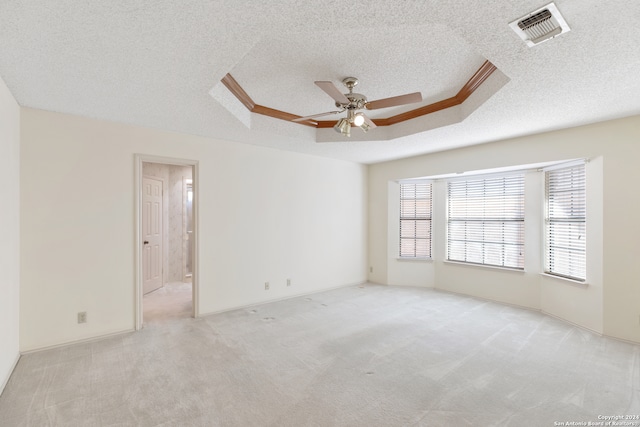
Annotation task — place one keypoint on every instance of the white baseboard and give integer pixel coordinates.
(538, 310)
(77, 341)
(510, 304)
(239, 307)
(6, 380)
(577, 325)
(126, 331)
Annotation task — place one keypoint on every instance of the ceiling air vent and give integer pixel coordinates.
(540, 25)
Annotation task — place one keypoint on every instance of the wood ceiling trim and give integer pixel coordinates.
(476, 80)
(469, 87)
(282, 115)
(235, 88)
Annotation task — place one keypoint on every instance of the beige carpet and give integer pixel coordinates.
(357, 356)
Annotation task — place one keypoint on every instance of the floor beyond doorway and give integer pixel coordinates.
(172, 301)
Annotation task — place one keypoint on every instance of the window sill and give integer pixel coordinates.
(490, 267)
(568, 281)
(414, 259)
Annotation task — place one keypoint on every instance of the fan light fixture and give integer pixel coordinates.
(352, 102)
(343, 125)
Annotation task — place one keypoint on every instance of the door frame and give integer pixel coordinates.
(138, 296)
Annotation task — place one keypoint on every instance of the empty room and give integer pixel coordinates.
(376, 213)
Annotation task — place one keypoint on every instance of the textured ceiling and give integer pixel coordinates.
(154, 63)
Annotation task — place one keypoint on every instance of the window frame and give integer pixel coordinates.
(428, 218)
(547, 256)
(518, 221)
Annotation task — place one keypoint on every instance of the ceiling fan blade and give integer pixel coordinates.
(369, 122)
(394, 101)
(330, 89)
(301, 119)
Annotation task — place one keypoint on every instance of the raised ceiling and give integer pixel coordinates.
(159, 64)
(279, 72)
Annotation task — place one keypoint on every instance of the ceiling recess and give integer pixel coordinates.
(540, 25)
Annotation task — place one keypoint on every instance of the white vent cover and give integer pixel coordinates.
(540, 25)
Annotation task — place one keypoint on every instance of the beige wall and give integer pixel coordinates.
(611, 302)
(268, 215)
(265, 215)
(9, 231)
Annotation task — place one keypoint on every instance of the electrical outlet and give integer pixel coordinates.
(288, 282)
(82, 317)
(266, 286)
(370, 269)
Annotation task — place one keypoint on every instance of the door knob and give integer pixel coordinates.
(146, 242)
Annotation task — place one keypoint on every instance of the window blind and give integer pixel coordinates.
(486, 221)
(566, 222)
(415, 220)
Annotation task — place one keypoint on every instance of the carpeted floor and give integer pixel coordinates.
(356, 356)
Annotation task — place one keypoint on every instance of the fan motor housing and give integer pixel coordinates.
(357, 101)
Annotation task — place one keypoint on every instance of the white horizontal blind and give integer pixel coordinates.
(415, 220)
(566, 222)
(486, 221)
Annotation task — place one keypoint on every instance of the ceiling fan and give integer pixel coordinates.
(352, 102)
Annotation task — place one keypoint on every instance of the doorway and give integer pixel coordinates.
(166, 239)
(187, 248)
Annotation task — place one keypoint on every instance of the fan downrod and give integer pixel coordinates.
(350, 83)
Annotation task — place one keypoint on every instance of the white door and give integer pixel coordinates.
(151, 234)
